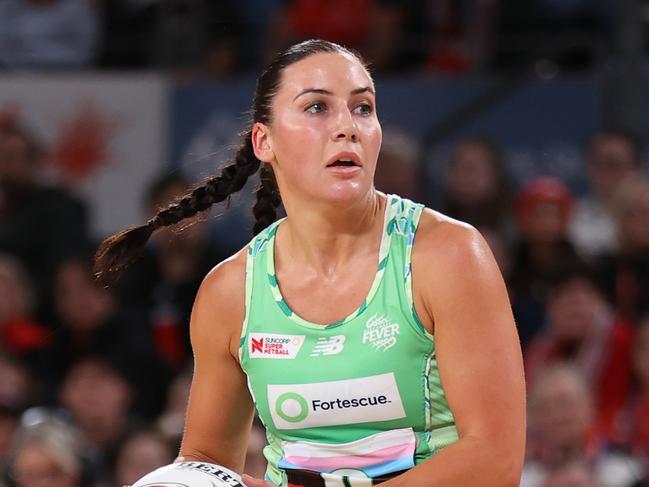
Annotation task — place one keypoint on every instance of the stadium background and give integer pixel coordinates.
(112, 108)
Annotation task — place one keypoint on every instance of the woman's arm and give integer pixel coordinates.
(459, 285)
(220, 410)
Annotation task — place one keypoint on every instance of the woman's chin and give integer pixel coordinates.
(347, 193)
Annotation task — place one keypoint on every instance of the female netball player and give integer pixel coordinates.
(373, 336)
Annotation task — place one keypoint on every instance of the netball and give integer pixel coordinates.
(191, 474)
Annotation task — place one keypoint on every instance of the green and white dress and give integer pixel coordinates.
(356, 399)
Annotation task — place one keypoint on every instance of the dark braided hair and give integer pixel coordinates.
(268, 199)
(119, 251)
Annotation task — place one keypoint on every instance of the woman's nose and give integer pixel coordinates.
(345, 127)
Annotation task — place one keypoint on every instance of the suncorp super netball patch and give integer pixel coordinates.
(274, 345)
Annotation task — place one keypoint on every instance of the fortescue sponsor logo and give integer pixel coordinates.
(348, 403)
(351, 401)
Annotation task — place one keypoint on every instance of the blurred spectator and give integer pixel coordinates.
(397, 166)
(98, 394)
(188, 37)
(16, 393)
(389, 34)
(571, 474)
(91, 321)
(47, 34)
(584, 331)
(46, 454)
(127, 31)
(563, 449)
(20, 333)
(198, 34)
(9, 423)
(555, 34)
(41, 225)
(631, 425)
(611, 157)
(141, 452)
(463, 35)
(626, 272)
(304, 19)
(16, 383)
(171, 422)
(543, 209)
(398, 30)
(165, 280)
(478, 187)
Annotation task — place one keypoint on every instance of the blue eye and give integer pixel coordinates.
(316, 108)
(364, 109)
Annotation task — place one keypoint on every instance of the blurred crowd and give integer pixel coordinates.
(94, 380)
(223, 38)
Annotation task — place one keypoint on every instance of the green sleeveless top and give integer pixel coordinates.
(357, 398)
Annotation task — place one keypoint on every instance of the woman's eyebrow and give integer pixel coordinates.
(320, 91)
(365, 89)
(313, 90)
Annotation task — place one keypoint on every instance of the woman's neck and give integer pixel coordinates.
(325, 238)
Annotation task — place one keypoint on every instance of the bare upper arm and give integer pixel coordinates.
(220, 410)
(461, 291)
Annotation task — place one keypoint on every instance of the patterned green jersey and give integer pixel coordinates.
(355, 399)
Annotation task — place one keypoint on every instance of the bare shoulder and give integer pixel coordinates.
(218, 310)
(451, 263)
(444, 242)
(227, 280)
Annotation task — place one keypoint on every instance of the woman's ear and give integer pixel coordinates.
(261, 143)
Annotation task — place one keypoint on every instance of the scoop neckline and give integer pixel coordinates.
(384, 248)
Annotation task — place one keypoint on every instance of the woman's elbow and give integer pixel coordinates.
(500, 464)
(506, 467)
(511, 476)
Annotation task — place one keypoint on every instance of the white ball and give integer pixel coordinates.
(191, 474)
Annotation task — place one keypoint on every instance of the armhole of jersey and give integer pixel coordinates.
(250, 261)
(415, 217)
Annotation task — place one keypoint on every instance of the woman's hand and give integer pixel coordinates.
(253, 482)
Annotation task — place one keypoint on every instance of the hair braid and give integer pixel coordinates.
(268, 199)
(216, 189)
(118, 252)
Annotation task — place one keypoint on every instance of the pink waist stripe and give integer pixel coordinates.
(377, 457)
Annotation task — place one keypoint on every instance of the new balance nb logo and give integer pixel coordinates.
(329, 346)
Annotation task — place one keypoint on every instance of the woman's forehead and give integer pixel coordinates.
(336, 72)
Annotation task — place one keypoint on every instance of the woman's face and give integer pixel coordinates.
(141, 455)
(633, 228)
(572, 309)
(611, 160)
(323, 112)
(560, 409)
(471, 179)
(36, 467)
(80, 303)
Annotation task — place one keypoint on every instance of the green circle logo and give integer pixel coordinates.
(288, 396)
